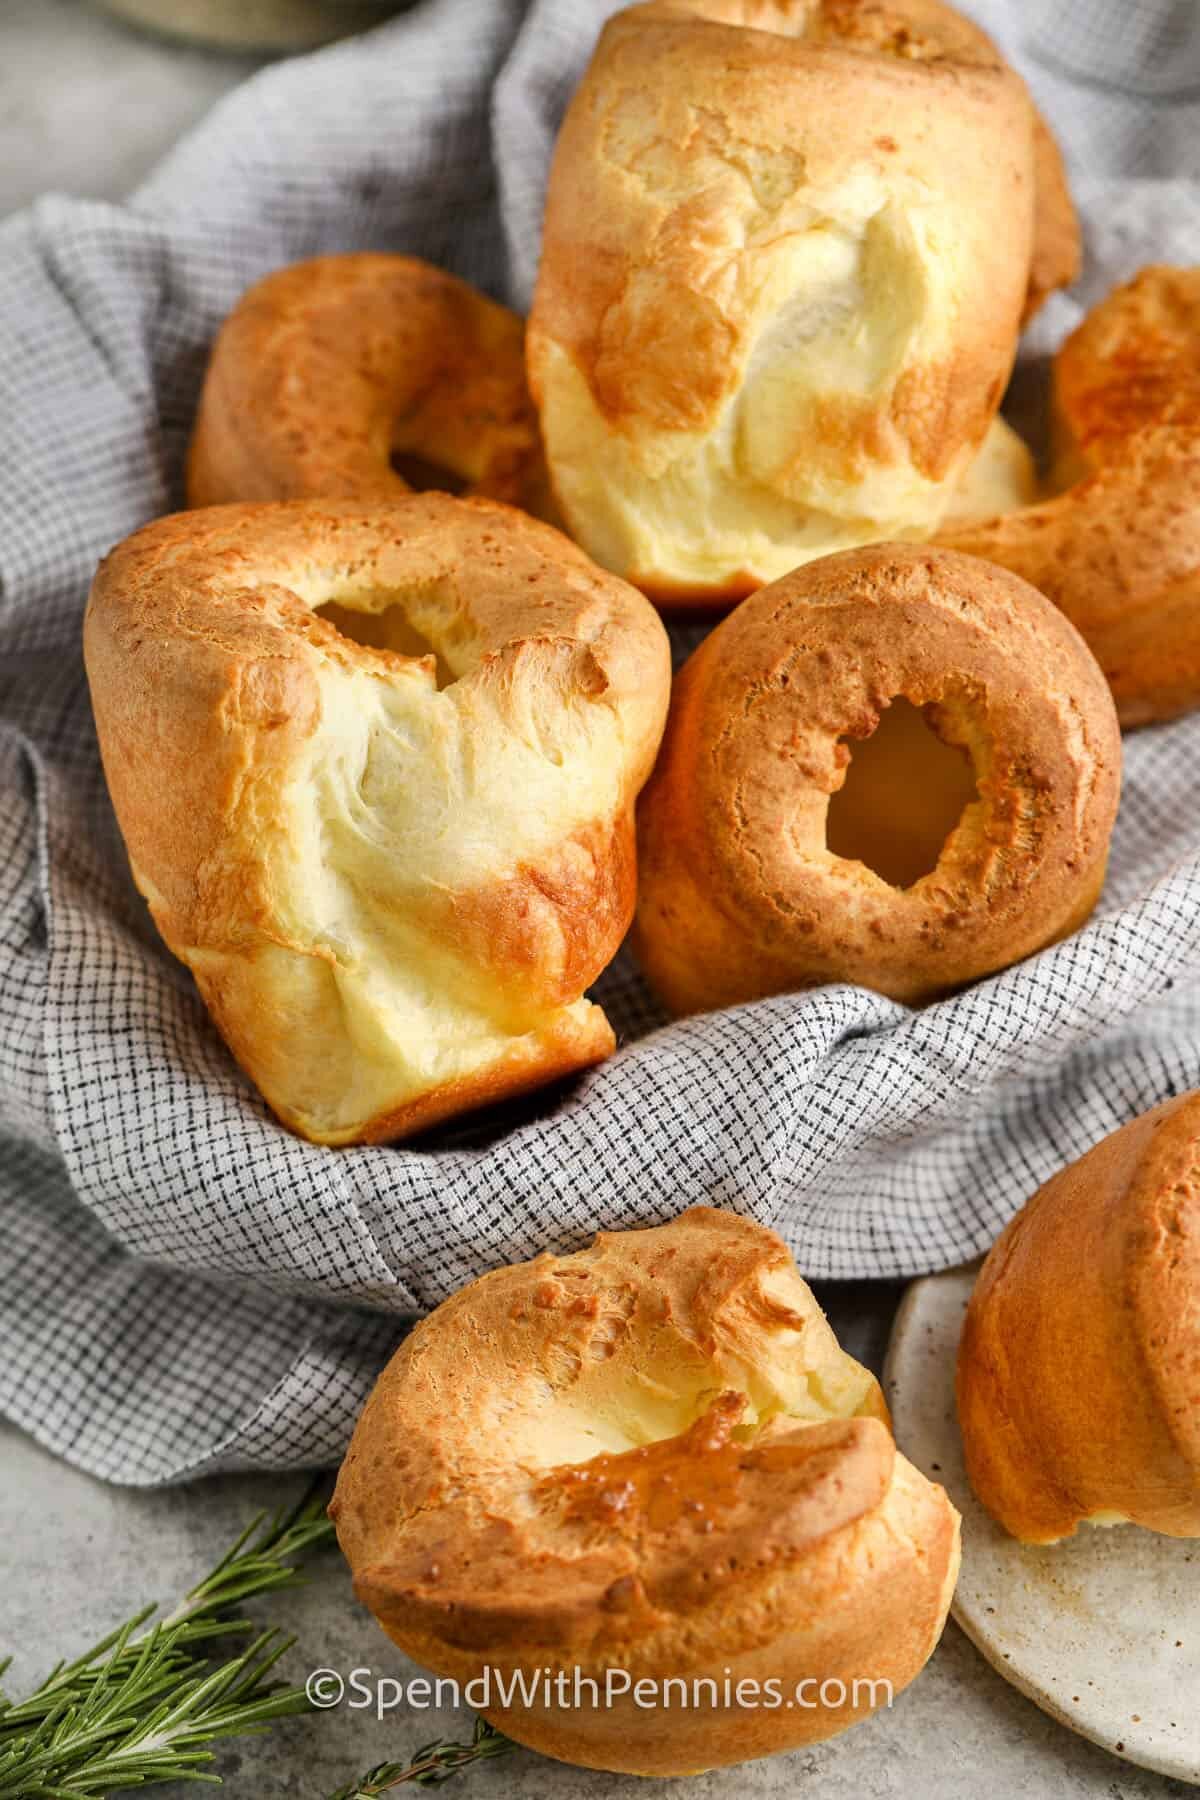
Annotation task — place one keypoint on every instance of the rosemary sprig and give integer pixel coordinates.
(143, 1704)
(431, 1765)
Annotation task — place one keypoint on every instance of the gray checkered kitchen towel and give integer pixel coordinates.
(184, 1286)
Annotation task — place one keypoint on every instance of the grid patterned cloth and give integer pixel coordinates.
(184, 1286)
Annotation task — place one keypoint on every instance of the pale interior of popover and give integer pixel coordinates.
(425, 787)
(636, 1384)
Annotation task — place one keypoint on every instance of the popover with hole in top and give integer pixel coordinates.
(375, 769)
(647, 1462)
(745, 890)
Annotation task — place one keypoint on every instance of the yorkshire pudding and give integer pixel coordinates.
(375, 771)
(786, 251)
(328, 374)
(648, 1458)
(1119, 551)
(934, 875)
(1078, 1368)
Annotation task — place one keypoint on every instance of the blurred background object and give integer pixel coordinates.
(255, 24)
(92, 92)
(88, 103)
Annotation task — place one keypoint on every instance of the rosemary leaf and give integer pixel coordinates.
(431, 1765)
(144, 1704)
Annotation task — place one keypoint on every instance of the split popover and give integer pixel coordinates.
(1119, 550)
(375, 771)
(331, 376)
(786, 253)
(945, 864)
(1079, 1364)
(651, 1457)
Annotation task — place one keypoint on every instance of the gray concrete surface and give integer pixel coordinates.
(86, 106)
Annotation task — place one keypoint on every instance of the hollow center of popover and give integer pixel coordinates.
(424, 475)
(388, 626)
(905, 792)
(615, 1379)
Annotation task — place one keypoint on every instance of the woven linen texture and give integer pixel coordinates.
(184, 1286)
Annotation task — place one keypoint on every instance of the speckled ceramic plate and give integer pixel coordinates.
(1103, 1630)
